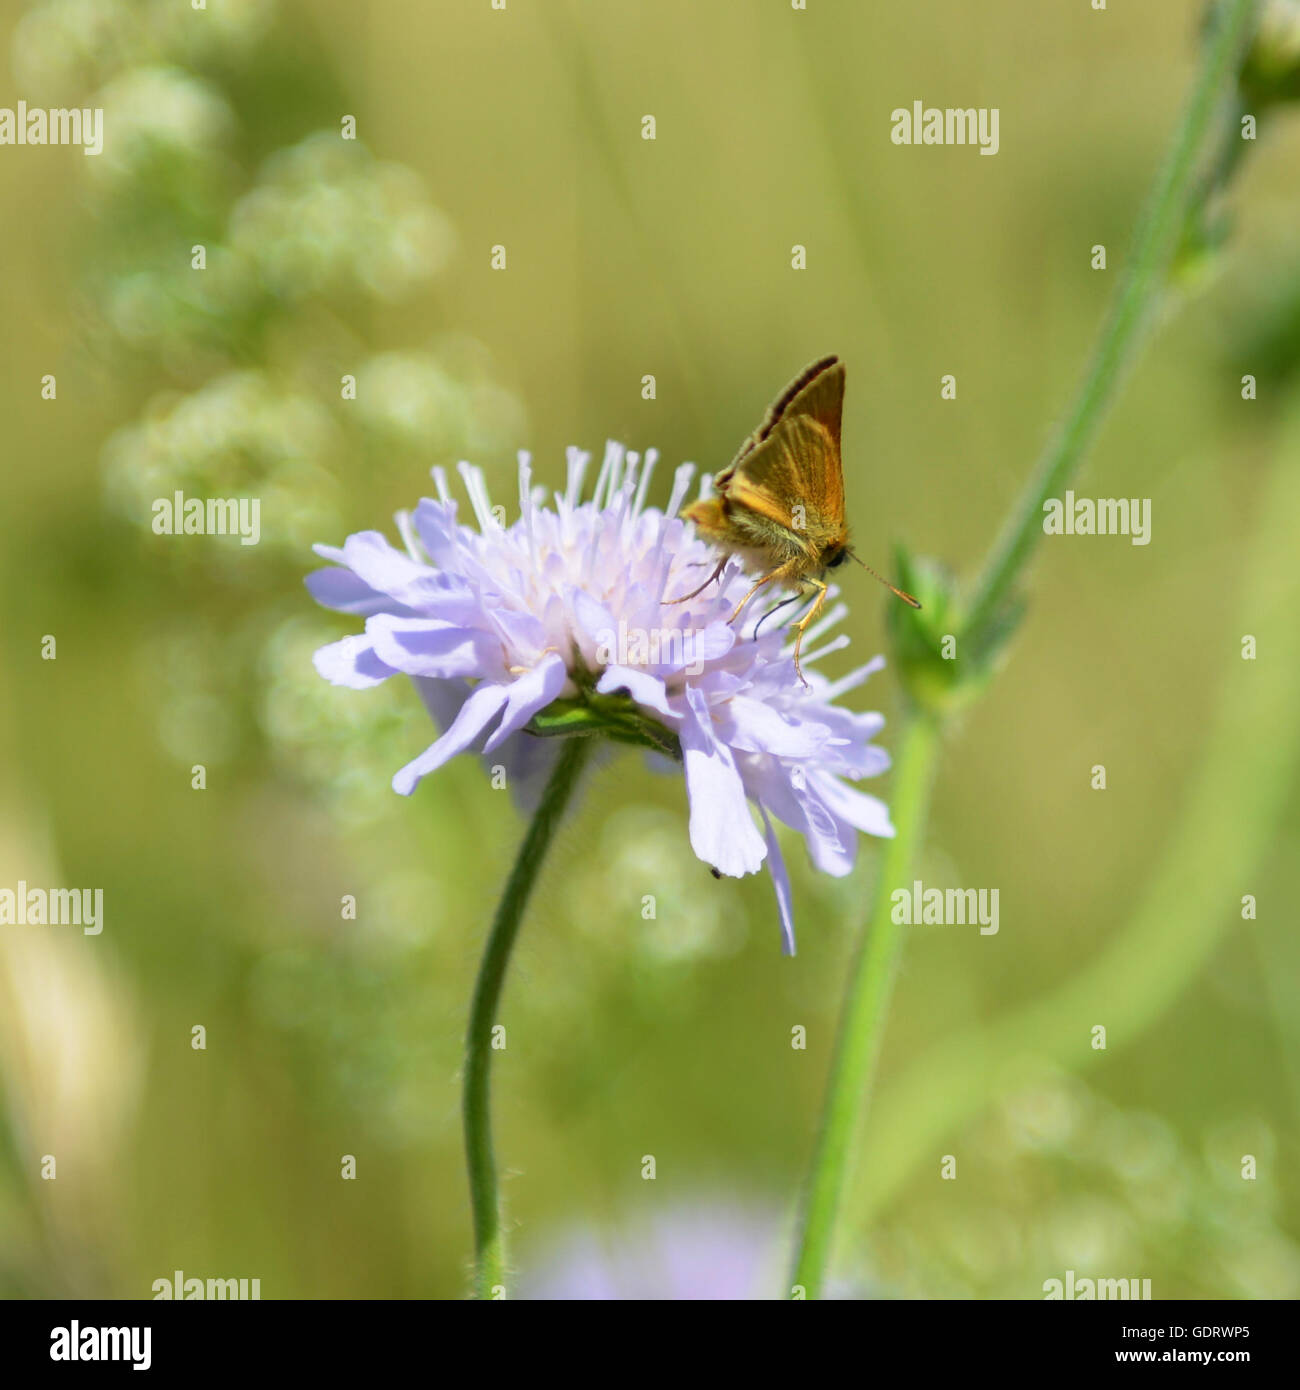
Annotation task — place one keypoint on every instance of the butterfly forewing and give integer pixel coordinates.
(829, 398)
(827, 376)
(794, 460)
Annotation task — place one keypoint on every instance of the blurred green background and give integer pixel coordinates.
(625, 258)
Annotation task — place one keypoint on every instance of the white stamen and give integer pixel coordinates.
(854, 679)
(836, 644)
(626, 492)
(577, 463)
(608, 468)
(651, 458)
(526, 500)
(826, 622)
(682, 476)
(476, 486)
(407, 532)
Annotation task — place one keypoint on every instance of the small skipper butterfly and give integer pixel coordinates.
(779, 506)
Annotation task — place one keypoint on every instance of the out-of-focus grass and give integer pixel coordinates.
(329, 1037)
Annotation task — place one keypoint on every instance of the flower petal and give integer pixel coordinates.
(388, 570)
(435, 524)
(832, 846)
(722, 830)
(645, 689)
(532, 691)
(341, 589)
(520, 632)
(351, 661)
(475, 715)
(781, 883)
(754, 726)
(697, 646)
(597, 626)
(430, 647)
(862, 811)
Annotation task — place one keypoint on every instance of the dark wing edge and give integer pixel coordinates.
(823, 383)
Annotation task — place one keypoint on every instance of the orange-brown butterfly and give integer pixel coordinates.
(780, 504)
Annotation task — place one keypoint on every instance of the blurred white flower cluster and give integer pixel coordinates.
(326, 219)
(230, 256)
(1058, 1178)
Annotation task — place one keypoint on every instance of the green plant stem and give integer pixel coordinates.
(1217, 848)
(871, 983)
(1154, 241)
(866, 1005)
(489, 1241)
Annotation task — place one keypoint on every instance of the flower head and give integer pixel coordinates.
(561, 621)
(706, 1248)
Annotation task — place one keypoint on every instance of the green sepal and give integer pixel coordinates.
(941, 666)
(592, 715)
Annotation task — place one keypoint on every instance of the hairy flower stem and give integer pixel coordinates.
(1131, 310)
(866, 1006)
(489, 1242)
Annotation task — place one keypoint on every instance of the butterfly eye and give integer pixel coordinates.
(837, 559)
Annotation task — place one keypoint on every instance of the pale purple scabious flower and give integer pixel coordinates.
(495, 624)
(701, 1250)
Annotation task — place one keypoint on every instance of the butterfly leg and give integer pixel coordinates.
(801, 626)
(782, 574)
(687, 597)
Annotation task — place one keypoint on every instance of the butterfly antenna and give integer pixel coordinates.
(785, 603)
(907, 598)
